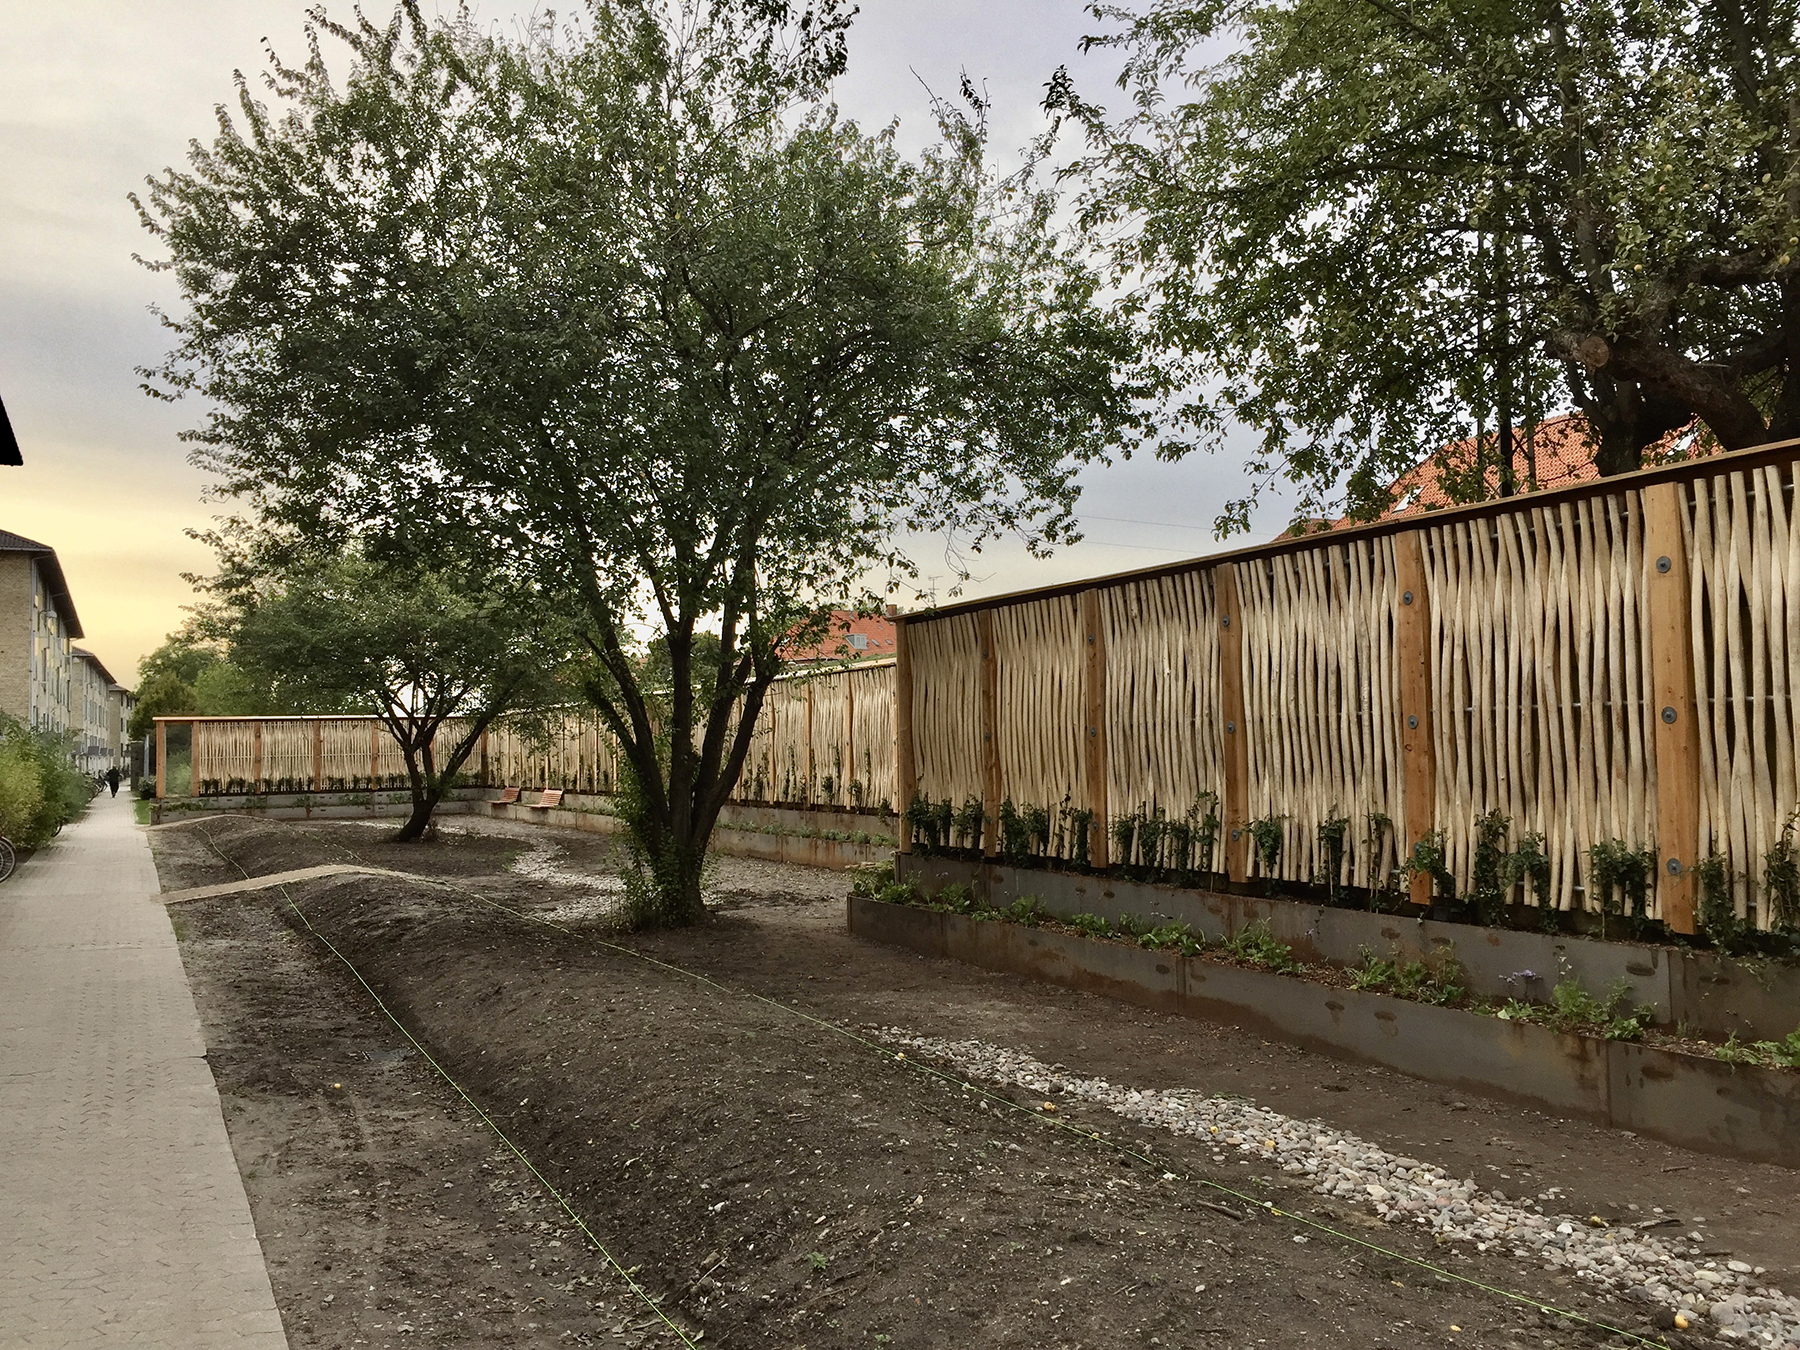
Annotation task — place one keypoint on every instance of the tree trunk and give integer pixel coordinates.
(424, 802)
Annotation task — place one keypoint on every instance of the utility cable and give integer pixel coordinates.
(999, 1099)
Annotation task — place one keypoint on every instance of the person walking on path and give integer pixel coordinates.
(112, 779)
(123, 1216)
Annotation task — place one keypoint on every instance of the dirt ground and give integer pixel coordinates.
(774, 1183)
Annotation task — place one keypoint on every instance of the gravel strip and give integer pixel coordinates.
(1720, 1296)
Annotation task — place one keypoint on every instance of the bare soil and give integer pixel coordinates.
(776, 1183)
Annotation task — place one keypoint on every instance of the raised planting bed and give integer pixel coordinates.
(1706, 994)
(1742, 1110)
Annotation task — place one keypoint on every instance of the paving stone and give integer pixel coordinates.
(122, 1215)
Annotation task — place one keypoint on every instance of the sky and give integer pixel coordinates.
(101, 93)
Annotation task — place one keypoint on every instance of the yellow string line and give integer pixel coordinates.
(1040, 1117)
(486, 1119)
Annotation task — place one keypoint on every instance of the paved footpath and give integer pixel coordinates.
(123, 1220)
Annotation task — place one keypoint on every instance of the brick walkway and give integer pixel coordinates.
(122, 1216)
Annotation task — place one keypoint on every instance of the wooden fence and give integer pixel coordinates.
(1614, 662)
(824, 738)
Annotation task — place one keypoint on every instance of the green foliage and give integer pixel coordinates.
(1367, 228)
(1255, 945)
(1491, 879)
(1619, 879)
(162, 695)
(1415, 980)
(629, 301)
(40, 789)
(1331, 845)
(1266, 837)
(1612, 1016)
(1027, 909)
(418, 647)
(1530, 864)
(1781, 879)
(1080, 823)
(1129, 925)
(967, 823)
(1176, 935)
(958, 897)
(1430, 858)
(932, 821)
(1124, 836)
(1091, 925)
(1718, 917)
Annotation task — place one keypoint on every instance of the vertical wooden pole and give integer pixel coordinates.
(162, 759)
(256, 757)
(1412, 652)
(847, 757)
(811, 767)
(905, 775)
(1093, 716)
(193, 759)
(318, 755)
(1234, 735)
(485, 780)
(990, 733)
(1668, 589)
(374, 752)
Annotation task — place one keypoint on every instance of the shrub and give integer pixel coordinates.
(1091, 925)
(40, 790)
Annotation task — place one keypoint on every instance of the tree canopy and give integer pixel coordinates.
(422, 650)
(632, 300)
(1367, 228)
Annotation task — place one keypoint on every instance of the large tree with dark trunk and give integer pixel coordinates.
(633, 300)
(1369, 227)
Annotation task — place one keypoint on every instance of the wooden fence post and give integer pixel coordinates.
(990, 733)
(905, 776)
(374, 752)
(162, 760)
(484, 758)
(811, 767)
(1668, 590)
(1412, 654)
(1093, 715)
(846, 765)
(1234, 734)
(256, 756)
(318, 755)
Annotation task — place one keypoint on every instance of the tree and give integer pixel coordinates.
(637, 303)
(163, 695)
(419, 648)
(1366, 228)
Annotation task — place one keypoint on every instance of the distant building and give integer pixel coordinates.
(852, 637)
(1562, 447)
(38, 624)
(99, 712)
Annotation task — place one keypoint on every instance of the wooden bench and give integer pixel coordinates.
(506, 798)
(551, 797)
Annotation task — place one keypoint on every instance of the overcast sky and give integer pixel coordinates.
(102, 92)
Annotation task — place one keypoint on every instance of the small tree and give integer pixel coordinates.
(415, 647)
(640, 304)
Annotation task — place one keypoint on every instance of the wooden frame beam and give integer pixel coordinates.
(1093, 716)
(1412, 661)
(1234, 733)
(1668, 591)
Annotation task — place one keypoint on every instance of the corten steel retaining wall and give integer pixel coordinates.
(1742, 1111)
(1714, 995)
(798, 842)
(1618, 660)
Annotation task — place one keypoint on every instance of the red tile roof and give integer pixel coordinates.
(1565, 455)
(853, 638)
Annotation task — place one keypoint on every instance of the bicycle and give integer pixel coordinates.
(8, 857)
